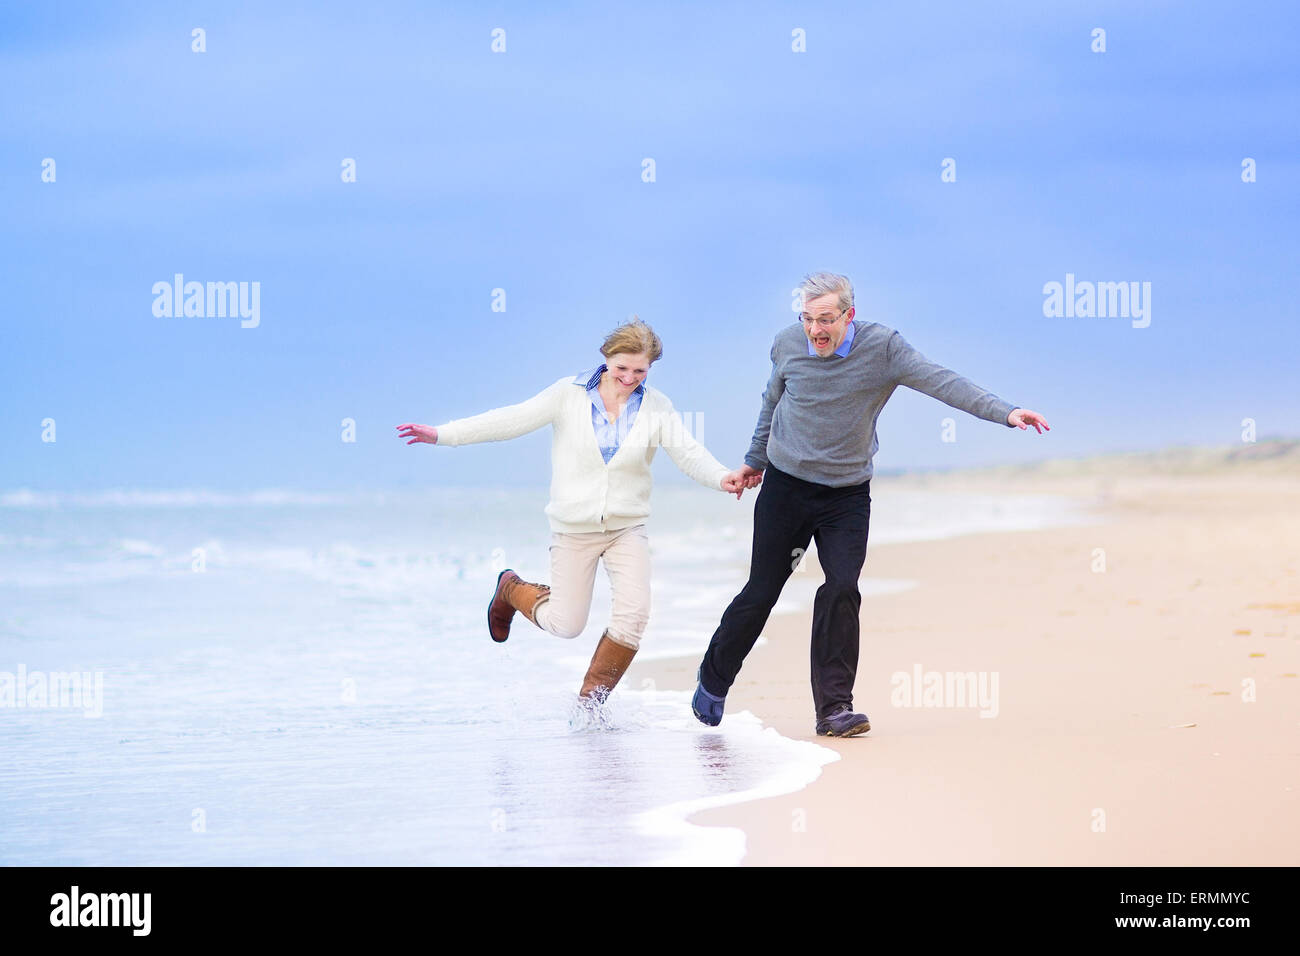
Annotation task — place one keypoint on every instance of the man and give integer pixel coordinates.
(812, 451)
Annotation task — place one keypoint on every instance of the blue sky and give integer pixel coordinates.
(522, 170)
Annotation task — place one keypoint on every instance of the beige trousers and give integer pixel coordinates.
(626, 553)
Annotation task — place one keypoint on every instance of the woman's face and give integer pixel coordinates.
(626, 370)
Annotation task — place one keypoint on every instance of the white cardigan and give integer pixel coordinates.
(586, 493)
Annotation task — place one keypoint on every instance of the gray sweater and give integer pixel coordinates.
(819, 415)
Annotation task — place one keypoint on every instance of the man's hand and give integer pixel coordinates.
(733, 483)
(1022, 418)
(417, 433)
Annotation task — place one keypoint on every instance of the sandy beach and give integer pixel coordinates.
(1142, 700)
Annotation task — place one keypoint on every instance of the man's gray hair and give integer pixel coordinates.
(822, 283)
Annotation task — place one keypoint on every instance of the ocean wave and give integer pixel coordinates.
(183, 498)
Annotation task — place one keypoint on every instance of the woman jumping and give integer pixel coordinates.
(607, 424)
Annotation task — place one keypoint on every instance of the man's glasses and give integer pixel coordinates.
(824, 322)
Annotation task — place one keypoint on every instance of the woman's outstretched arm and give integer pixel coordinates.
(694, 460)
(499, 424)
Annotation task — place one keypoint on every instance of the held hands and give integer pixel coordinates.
(735, 482)
(1022, 418)
(417, 433)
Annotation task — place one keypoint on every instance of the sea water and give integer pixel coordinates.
(297, 678)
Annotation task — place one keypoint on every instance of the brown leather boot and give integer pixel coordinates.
(513, 594)
(606, 668)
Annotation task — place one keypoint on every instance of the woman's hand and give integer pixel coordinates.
(426, 433)
(735, 482)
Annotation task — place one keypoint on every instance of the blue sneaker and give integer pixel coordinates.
(843, 723)
(706, 707)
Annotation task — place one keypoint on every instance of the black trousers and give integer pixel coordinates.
(790, 511)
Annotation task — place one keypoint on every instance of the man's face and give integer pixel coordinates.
(825, 339)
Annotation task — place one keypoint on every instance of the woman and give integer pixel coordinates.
(607, 425)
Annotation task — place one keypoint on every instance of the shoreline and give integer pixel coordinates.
(1097, 662)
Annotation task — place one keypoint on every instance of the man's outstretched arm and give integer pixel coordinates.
(909, 367)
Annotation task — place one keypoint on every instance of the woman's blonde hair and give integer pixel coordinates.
(633, 337)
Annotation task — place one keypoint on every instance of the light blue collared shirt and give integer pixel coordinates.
(844, 346)
(609, 435)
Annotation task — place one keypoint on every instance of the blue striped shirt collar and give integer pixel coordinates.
(591, 379)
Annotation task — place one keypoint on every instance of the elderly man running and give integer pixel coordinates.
(812, 450)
